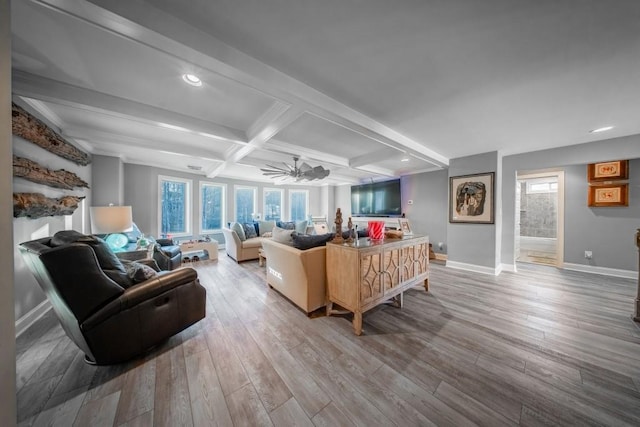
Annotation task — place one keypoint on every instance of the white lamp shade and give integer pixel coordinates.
(111, 219)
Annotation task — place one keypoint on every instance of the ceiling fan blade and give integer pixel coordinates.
(278, 168)
(305, 168)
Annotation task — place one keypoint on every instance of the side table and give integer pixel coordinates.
(211, 248)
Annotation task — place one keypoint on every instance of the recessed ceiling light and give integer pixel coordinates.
(404, 159)
(603, 129)
(192, 79)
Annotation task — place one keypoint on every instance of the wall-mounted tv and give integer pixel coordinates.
(377, 199)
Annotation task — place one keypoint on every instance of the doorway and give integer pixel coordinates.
(540, 218)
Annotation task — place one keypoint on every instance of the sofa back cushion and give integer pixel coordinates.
(239, 229)
(282, 236)
(266, 227)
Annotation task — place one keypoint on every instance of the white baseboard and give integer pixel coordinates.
(23, 323)
(474, 268)
(511, 268)
(626, 274)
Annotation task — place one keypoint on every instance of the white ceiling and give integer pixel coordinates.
(352, 85)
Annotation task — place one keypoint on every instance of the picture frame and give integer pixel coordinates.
(405, 227)
(608, 195)
(471, 198)
(608, 171)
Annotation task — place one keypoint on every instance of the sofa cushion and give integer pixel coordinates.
(281, 235)
(286, 225)
(301, 227)
(307, 241)
(265, 227)
(239, 229)
(255, 242)
(106, 258)
(249, 230)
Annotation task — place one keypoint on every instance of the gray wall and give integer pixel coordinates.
(428, 213)
(600, 223)
(473, 243)
(141, 192)
(606, 231)
(27, 291)
(107, 176)
(8, 415)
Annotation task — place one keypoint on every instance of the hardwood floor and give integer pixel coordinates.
(540, 347)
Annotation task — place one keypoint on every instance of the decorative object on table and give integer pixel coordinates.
(34, 172)
(404, 226)
(350, 231)
(608, 195)
(34, 130)
(376, 230)
(37, 205)
(302, 173)
(471, 198)
(394, 234)
(112, 221)
(608, 171)
(338, 222)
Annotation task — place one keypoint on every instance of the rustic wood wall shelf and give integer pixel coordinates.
(36, 205)
(34, 172)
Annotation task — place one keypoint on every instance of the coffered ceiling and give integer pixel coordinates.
(368, 89)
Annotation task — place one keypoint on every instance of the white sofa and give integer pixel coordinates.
(241, 250)
(299, 275)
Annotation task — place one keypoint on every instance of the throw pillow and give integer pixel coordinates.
(281, 235)
(301, 227)
(265, 227)
(249, 230)
(286, 225)
(239, 229)
(306, 241)
(268, 234)
(138, 272)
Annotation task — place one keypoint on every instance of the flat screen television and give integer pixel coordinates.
(381, 199)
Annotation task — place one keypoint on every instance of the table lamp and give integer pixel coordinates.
(112, 220)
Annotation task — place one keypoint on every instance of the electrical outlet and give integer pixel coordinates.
(409, 202)
(588, 254)
(440, 245)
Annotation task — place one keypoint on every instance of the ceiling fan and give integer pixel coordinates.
(302, 173)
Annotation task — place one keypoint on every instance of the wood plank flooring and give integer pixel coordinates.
(538, 347)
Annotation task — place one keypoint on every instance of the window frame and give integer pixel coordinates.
(235, 199)
(188, 208)
(306, 208)
(264, 201)
(223, 208)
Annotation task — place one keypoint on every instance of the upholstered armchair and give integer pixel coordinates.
(110, 312)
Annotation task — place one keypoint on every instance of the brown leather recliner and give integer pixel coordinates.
(108, 320)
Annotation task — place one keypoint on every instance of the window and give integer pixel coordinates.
(544, 185)
(298, 204)
(245, 203)
(212, 206)
(175, 206)
(273, 204)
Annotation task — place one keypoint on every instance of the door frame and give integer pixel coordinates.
(559, 174)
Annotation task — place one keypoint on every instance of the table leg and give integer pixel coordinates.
(357, 323)
(426, 285)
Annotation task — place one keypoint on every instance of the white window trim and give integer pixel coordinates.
(235, 192)
(188, 203)
(306, 208)
(264, 201)
(224, 205)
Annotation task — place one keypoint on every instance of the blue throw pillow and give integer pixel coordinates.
(249, 230)
(287, 225)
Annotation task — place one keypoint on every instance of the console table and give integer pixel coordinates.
(210, 247)
(364, 273)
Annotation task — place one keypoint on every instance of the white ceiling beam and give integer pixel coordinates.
(372, 157)
(143, 23)
(32, 86)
